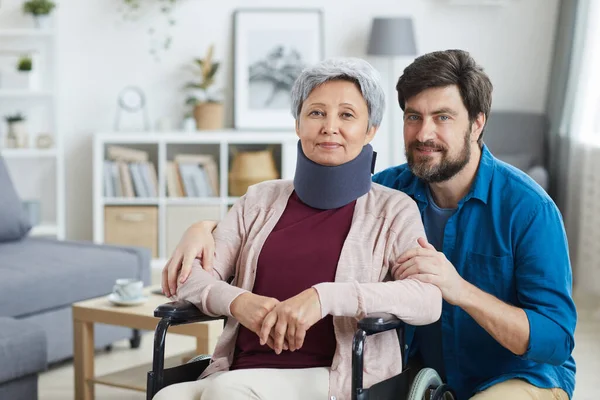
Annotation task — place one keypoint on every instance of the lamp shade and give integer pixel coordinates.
(392, 37)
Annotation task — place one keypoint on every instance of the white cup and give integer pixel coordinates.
(128, 289)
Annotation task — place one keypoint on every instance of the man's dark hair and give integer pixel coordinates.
(445, 68)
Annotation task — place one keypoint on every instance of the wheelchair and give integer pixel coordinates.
(426, 384)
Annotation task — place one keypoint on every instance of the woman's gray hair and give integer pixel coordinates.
(351, 69)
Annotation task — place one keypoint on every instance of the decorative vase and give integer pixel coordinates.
(249, 168)
(44, 141)
(209, 116)
(17, 135)
(188, 124)
(41, 22)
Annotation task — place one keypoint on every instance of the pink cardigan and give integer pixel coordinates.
(386, 223)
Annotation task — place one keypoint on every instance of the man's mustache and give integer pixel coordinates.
(429, 144)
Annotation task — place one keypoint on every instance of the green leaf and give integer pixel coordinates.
(213, 71)
(190, 101)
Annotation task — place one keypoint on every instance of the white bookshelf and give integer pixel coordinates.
(161, 148)
(28, 153)
(38, 174)
(25, 33)
(25, 94)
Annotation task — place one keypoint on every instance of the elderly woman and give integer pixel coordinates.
(311, 257)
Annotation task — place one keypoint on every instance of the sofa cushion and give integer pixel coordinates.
(22, 349)
(522, 161)
(42, 274)
(14, 224)
(511, 132)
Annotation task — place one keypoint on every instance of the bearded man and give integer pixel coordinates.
(496, 245)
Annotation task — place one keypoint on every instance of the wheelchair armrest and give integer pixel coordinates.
(370, 325)
(170, 314)
(381, 322)
(182, 312)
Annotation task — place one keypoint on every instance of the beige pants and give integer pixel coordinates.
(254, 384)
(517, 389)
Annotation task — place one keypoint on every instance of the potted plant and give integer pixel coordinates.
(207, 108)
(17, 132)
(25, 75)
(40, 10)
(160, 34)
(25, 64)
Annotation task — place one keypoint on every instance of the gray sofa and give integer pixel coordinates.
(40, 280)
(520, 139)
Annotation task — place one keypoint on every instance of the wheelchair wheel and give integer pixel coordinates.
(199, 358)
(426, 379)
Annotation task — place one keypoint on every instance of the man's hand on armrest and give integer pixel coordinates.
(197, 242)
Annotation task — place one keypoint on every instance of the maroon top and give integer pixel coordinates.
(302, 250)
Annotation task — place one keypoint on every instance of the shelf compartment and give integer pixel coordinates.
(251, 163)
(132, 226)
(193, 170)
(130, 171)
(179, 218)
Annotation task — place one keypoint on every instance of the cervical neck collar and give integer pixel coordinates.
(326, 187)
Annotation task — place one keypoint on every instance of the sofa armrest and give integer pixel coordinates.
(540, 175)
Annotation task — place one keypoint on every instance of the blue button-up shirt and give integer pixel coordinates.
(507, 238)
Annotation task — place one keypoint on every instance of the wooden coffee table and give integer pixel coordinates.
(100, 310)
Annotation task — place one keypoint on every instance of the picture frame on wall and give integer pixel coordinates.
(271, 48)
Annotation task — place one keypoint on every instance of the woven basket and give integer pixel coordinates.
(249, 168)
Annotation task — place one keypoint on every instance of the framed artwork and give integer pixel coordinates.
(271, 48)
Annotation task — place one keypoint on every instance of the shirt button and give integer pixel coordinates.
(405, 347)
(332, 398)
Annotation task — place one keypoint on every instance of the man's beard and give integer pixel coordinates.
(446, 168)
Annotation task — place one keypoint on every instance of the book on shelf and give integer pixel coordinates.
(192, 175)
(174, 184)
(129, 173)
(119, 153)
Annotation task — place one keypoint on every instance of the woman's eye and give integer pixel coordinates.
(315, 113)
(347, 115)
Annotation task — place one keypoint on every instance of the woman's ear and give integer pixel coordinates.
(298, 128)
(370, 134)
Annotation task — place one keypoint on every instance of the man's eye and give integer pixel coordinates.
(444, 118)
(412, 118)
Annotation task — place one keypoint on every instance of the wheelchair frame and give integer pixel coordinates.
(183, 312)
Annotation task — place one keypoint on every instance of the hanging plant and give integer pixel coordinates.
(160, 39)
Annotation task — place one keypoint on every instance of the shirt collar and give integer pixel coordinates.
(481, 186)
(417, 188)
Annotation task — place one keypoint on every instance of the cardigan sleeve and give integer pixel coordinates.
(414, 302)
(209, 291)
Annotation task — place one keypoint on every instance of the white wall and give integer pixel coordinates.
(99, 55)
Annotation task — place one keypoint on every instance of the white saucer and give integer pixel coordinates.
(113, 298)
